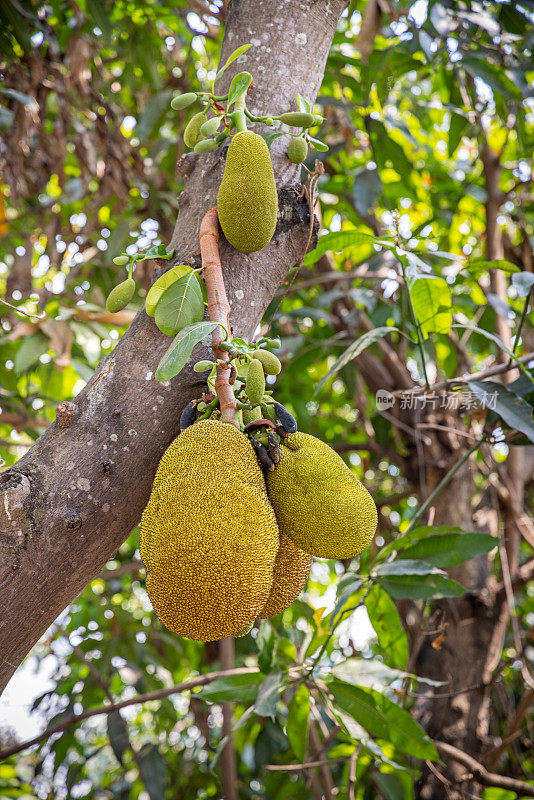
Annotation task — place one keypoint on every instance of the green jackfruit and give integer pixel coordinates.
(209, 536)
(297, 119)
(247, 202)
(180, 101)
(291, 571)
(318, 501)
(255, 383)
(120, 296)
(192, 133)
(297, 150)
(270, 363)
(251, 415)
(205, 146)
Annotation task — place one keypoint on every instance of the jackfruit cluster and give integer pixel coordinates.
(214, 557)
(247, 202)
(319, 503)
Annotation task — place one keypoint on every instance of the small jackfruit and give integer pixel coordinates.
(205, 146)
(120, 296)
(209, 537)
(270, 363)
(251, 414)
(318, 501)
(192, 133)
(255, 382)
(291, 571)
(247, 202)
(209, 127)
(298, 119)
(297, 150)
(180, 101)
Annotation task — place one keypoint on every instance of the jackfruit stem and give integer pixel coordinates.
(238, 115)
(218, 311)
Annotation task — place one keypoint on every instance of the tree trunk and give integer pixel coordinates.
(75, 496)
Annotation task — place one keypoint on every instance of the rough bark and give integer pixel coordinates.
(74, 497)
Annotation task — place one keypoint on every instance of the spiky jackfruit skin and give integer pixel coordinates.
(291, 571)
(318, 501)
(209, 536)
(247, 202)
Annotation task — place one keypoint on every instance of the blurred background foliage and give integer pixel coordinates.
(414, 112)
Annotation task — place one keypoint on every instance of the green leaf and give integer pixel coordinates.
(421, 587)
(30, 350)
(118, 735)
(389, 785)
(431, 300)
(96, 10)
(181, 348)
(303, 104)
(153, 113)
(515, 411)
(180, 306)
(450, 549)
(321, 147)
(421, 532)
(383, 719)
(353, 350)
(386, 622)
(153, 771)
(270, 137)
(339, 240)
(231, 58)
(407, 567)
(457, 126)
(234, 688)
(523, 282)
(268, 694)
(493, 338)
(480, 265)
(492, 74)
(298, 720)
(348, 586)
(239, 86)
(366, 189)
(157, 251)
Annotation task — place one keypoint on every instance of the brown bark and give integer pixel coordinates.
(74, 497)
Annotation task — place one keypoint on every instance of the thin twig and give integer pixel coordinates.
(306, 765)
(158, 694)
(42, 315)
(475, 376)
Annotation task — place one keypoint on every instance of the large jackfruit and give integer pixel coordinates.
(247, 202)
(318, 501)
(291, 571)
(209, 536)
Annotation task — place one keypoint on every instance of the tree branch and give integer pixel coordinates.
(158, 694)
(480, 772)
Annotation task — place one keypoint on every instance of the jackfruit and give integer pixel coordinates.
(251, 414)
(291, 571)
(180, 101)
(209, 537)
(247, 202)
(318, 501)
(209, 127)
(270, 363)
(205, 146)
(120, 296)
(255, 382)
(297, 119)
(297, 150)
(192, 133)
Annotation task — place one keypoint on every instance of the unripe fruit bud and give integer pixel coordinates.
(273, 344)
(120, 296)
(203, 366)
(297, 119)
(267, 411)
(270, 363)
(205, 146)
(180, 101)
(121, 261)
(192, 133)
(297, 150)
(269, 121)
(255, 384)
(251, 414)
(210, 126)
